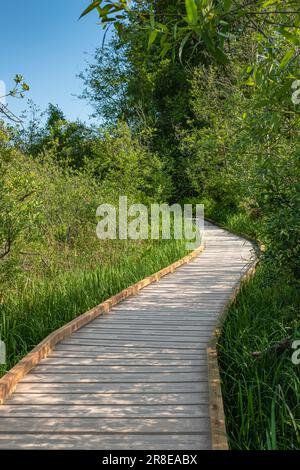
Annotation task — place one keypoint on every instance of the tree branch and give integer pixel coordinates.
(7, 249)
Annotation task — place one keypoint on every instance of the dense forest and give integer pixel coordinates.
(197, 101)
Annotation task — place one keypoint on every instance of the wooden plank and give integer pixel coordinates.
(103, 426)
(201, 321)
(109, 369)
(138, 343)
(199, 312)
(209, 303)
(216, 293)
(143, 336)
(133, 399)
(121, 362)
(123, 377)
(87, 410)
(113, 388)
(144, 328)
(94, 345)
(187, 296)
(146, 355)
(105, 442)
(198, 318)
(139, 350)
(138, 328)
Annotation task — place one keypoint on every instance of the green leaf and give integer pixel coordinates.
(161, 27)
(91, 7)
(152, 20)
(165, 49)
(227, 5)
(152, 37)
(293, 38)
(183, 43)
(286, 59)
(192, 11)
(250, 82)
(209, 44)
(269, 2)
(221, 56)
(224, 35)
(118, 27)
(163, 39)
(175, 31)
(18, 78)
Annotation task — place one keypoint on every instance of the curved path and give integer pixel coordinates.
(136, 378)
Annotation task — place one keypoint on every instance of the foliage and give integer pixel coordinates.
(19, 88)
(205, 27)
(253, 385)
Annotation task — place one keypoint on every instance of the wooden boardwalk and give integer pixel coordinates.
(137, 377)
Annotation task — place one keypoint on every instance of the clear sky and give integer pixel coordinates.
(43, 41)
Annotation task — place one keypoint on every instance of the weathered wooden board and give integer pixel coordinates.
(108, 369)
(103, 425)
(93, 441)
(105, 399)
(72, 377)
(112, 388)
(87, 410)
(103, 363)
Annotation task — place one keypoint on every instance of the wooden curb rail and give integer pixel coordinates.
(42, 350)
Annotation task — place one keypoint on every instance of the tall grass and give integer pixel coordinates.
(262, 392)
(43, 305)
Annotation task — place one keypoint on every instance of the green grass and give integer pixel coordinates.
(42, 305)
(261, 393)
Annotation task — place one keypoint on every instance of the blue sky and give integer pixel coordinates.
(43, 41)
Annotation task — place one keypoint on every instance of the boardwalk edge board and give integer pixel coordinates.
(10, 380)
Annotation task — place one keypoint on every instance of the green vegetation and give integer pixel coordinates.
(261, 392)
(196, 96)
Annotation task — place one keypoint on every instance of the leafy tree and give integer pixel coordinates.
(205, 27)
